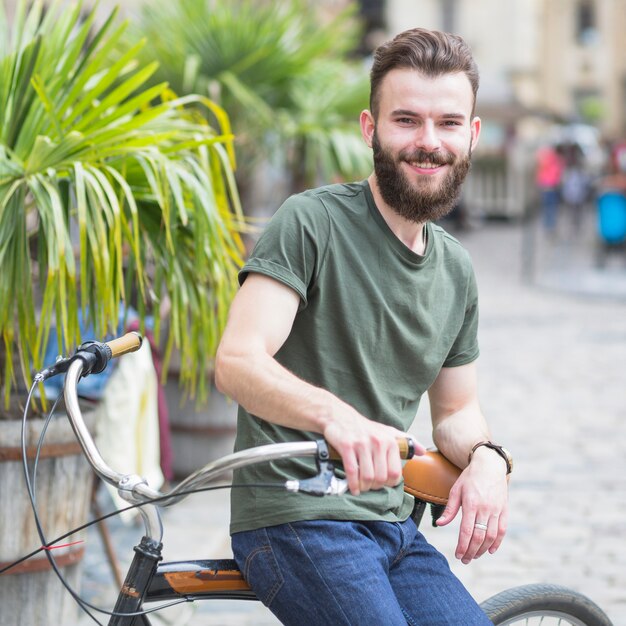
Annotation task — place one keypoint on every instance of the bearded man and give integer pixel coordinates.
(352, 305)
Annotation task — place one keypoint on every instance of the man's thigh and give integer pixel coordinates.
(326, 572)
(319, 572)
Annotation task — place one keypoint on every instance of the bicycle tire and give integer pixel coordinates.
(520, 605)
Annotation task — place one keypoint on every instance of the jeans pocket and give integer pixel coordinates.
(261, 568)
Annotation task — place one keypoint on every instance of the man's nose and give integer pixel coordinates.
(427, 137)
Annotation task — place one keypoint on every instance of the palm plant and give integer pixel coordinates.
(282, 73)
(112, 191)
(319, 132)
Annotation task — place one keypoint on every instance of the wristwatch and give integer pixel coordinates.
(503, 452)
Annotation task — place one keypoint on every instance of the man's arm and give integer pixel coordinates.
(260, 320)
(481, 491)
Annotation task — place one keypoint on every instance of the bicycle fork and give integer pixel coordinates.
(138, 579)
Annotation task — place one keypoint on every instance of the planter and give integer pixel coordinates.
(199, 435)
(31, 594)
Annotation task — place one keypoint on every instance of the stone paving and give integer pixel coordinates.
(552, 383)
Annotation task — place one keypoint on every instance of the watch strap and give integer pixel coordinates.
(497, 449)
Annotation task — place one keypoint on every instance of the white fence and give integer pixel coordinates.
(498, 188)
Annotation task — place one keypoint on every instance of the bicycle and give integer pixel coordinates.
(428, 478)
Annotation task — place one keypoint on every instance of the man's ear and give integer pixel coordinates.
(475, 129)
(368, 125)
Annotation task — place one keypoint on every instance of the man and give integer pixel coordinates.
(352, 305)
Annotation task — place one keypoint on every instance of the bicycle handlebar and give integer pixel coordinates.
(95, 356)
(406, 449)
(130, 342)
(92, 357)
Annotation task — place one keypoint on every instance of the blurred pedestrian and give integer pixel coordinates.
(548, 179)
(575, 184)
(615, 179)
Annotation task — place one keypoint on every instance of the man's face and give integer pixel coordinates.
(422, 140)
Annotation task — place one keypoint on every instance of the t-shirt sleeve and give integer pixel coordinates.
(292, 246)
(465, 347)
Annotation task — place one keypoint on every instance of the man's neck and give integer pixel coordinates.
(411, 234)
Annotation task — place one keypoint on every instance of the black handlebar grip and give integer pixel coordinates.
(130, 342)
(406, 448)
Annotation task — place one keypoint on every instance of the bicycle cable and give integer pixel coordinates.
(44, 430)
(31, 496)
(48, 546)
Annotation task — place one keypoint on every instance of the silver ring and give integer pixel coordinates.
(481, 526)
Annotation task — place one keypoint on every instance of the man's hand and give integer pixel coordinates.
(481, 493)
(369, 450)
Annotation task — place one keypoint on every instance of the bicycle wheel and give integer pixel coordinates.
(545, 605)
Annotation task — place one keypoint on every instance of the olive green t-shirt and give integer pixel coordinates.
(376, 324)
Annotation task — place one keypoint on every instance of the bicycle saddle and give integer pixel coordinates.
(430, 477)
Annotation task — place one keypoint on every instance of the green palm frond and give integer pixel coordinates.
(322, 132)
(111, 192)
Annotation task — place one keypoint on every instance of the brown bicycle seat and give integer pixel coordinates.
(430, 477)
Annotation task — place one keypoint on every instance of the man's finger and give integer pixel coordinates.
(502, 525)
(451, 510)
(491, 535)
(351, 467)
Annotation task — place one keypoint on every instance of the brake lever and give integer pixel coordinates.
(325, 483)
(94, 354)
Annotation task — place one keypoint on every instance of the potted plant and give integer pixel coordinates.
(113, 192)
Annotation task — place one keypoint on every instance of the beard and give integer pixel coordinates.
(422, 201)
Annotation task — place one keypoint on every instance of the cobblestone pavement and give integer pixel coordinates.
(552, 375)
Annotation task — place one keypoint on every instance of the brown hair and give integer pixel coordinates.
(430, 52)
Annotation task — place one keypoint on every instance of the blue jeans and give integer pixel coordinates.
(335, 573)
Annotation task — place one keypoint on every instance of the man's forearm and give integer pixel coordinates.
(266, 389)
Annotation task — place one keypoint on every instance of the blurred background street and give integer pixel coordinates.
(553, 357)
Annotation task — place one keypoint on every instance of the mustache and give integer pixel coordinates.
(423, 156)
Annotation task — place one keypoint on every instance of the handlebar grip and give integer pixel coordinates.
(130, 342)
(406, 449)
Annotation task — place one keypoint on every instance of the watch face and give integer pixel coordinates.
(506, 455)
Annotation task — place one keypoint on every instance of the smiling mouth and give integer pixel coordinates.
(423, 160)
(425, 165)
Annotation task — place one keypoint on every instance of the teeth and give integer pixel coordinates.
(427, 166)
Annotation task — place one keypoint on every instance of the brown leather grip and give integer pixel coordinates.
(127, 343)
(405, 448)
(430, 477)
